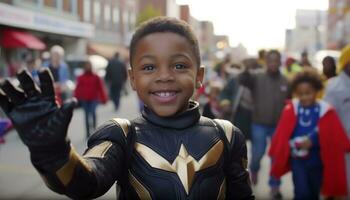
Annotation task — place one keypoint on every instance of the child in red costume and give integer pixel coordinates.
(311, 142)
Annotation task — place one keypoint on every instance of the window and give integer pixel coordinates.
(126, 20)
(59, 5)
(116, 18)
(35, 2)
(132, 20)
(107, 15)
(74, 5)
(97, 12)
(87, 10)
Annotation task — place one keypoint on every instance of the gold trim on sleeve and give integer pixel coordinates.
(99, 150)
(124, 124)
(222, 191)
(141, 191)
(184, 165)
(66, 172)
(228, 128)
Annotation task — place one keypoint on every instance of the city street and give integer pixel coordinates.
(19, 180)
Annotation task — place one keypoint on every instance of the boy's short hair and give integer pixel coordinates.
(165, 24)
(310, 76)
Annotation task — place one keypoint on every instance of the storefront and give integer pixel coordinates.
(18, 46)
(25, 32)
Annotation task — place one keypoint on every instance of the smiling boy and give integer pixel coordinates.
(170, 152)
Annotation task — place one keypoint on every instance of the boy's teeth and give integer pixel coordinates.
(165, 94)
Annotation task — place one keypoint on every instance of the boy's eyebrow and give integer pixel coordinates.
(181, 55)
(147, 56)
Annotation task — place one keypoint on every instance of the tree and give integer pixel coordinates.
(146, 14)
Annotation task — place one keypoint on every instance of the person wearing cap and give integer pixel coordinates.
(338, 94)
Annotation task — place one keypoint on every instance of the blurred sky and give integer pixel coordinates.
(254, 23)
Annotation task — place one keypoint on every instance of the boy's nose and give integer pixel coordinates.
(165, 74)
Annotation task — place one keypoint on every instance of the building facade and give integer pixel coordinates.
(114, 21)
(309, 34)
(338, 24)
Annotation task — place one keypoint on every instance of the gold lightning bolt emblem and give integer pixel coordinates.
(184, 165)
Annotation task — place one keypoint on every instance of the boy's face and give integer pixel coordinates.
(165, 73)
(306, 93)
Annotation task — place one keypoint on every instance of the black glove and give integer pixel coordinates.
(40, 122)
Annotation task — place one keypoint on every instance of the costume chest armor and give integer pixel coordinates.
(176, 163)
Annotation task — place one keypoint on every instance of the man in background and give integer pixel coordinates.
(116, 76)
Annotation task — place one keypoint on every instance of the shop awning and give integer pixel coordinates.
(19, 39)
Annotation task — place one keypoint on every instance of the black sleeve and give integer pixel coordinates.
(237, 176)
(229, 89)
(93, 174)
(108, 72)
(247, 79)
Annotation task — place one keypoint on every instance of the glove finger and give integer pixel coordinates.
(5, 103)
(46, 83)
(66, 110)
(27, 83)
(13, 93)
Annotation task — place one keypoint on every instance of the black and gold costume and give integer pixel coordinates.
(181, 157)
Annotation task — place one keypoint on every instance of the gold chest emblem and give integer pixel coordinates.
(184, 165)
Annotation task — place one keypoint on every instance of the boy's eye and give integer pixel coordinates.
(148, 68)
(180, 66)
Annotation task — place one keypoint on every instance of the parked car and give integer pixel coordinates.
(76, 65)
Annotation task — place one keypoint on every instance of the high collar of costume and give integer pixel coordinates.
(179, 121)
(324, 106)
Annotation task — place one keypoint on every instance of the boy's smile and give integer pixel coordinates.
(164, 72)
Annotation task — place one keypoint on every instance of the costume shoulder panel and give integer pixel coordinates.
(115, 130)
(227, 127)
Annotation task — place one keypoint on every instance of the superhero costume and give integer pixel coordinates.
(333, 146)
(180, 157)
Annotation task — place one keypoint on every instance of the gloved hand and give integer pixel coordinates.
(40, 122)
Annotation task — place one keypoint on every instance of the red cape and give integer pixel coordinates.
(334, 143)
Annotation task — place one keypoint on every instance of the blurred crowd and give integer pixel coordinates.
(302, 112)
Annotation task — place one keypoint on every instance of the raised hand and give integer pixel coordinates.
(39, 121)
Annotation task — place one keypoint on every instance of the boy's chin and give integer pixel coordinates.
(167, 111)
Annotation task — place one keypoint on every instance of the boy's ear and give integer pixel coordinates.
(200, 76)
(132, 79)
